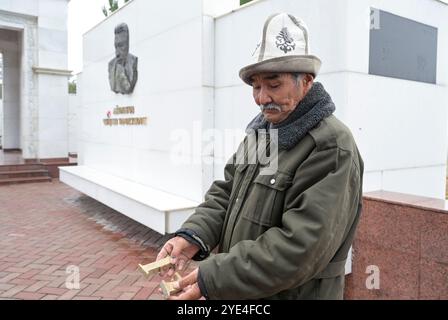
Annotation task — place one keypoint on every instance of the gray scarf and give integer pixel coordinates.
(314, 107)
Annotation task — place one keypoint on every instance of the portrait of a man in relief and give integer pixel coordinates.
(123, 72)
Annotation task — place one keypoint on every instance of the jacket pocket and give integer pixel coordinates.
(265, 203)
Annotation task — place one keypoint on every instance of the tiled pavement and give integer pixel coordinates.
(47, 227)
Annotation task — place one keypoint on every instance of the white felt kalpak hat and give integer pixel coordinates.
(284, 47)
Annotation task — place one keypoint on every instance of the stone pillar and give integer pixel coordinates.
(52, 77)
(9, 44)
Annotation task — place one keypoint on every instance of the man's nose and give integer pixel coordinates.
(263, 97)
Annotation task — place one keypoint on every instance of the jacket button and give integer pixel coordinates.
(273, 181)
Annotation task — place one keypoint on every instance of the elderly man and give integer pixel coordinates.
(287, 234)
(123, 72)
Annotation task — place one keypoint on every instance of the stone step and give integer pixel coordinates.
(21, 167)
(24, 180)
(23, 174)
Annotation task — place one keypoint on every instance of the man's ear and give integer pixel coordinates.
(307, 82)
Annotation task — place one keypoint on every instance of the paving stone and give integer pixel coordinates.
(46, 228)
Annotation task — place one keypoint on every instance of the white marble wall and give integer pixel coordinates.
(52, 33)
(53, 116)
(9, 45)
(53, 88)
(400, 126)
(218, 7)
(26, 7)
(42, 113)
(1, 123)
(189, 67)
(74, 106)
(175, 72)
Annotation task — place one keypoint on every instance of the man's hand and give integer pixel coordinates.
(189, 286)
(181, 251)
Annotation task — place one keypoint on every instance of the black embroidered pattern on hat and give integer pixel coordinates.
(284, 41)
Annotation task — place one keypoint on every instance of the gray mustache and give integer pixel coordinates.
(271, 106)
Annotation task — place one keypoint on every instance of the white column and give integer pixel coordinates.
(11, 102)
(52, 78)
(1, 118)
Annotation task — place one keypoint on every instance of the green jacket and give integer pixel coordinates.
(286, 235)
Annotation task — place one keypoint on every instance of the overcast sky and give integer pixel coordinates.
(82, 15)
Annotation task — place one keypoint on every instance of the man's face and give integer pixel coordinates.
(278, 94)
(121, 45)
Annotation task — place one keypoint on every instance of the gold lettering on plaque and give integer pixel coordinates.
(137, 121)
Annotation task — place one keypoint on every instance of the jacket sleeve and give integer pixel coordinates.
(319, 208)
(208, 219)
